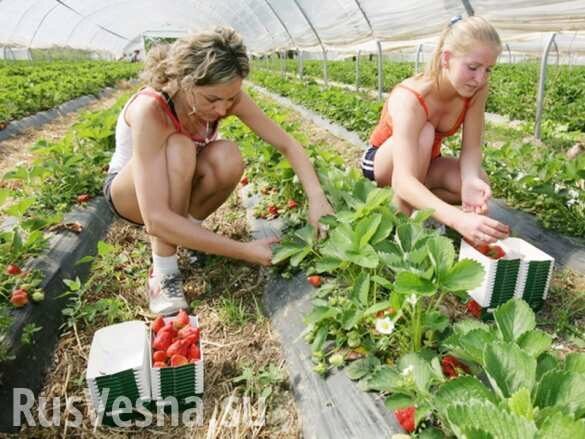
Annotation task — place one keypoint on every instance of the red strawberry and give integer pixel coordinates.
(163, 340)
(474, 308)
(315, 280)
(405, 418)
(159, 364)
(83, 198)
(483, 248)
(178, 360)
(159, 356)
(496, 252)
(13, 269)
(181, 320)
(273, 210)
(451, 366)
(244, 181)
(19, 297)
(177, 347)
(188, 331)
(194, 353)
(157, 324)
(292, 204)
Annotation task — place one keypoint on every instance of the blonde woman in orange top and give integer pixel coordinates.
(420, 112)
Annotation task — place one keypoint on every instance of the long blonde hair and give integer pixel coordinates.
(206, 58)
(460, 36)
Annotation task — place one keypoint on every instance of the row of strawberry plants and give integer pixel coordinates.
(383, 281)
(513, 86)
(535, 179)
(36, 196)
(28, 87)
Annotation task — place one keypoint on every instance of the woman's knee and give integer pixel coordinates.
(222, 160)
(181, 157)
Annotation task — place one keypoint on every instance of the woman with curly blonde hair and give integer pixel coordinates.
(170, 170)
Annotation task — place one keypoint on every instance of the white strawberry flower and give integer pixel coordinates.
(384, 325)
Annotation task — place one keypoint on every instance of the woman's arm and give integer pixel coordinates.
(249, 113)
(474, 190)
(149, 134)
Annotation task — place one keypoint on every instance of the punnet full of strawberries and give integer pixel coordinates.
(175, 342)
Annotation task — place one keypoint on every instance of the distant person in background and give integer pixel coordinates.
(170, 170)
(420, 112)
(135, 56)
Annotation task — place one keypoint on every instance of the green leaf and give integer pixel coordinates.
(399, 400)
(4, 195)
(105, 249)
(284, 251)
(366, 257)
(508, 368)
(535, 342)
(306, 234)
(463, 276)
(365, 229)
(296, 259)
(320, 338)
(520, 404)
(562, 389)
(408, 282)
(361, 288)
(435, 321)
(513, 319)
(384, 229)
(480, 419)
(320, 313)
(351, 318)
(382, 282)
(85, 260)
(474, 342)
(73, 285)
(380, 306)
(575, 362)
(545, 363)
(421, 369)
(560, 425)
(382, 379)
(461, 390)
(442, 254)
(405, 236)
(327, 264)
(420, 216)
(362, 367)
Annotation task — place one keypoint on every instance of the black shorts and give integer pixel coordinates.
(107, 190)
(367, 162)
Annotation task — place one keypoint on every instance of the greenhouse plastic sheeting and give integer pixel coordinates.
(267, 25)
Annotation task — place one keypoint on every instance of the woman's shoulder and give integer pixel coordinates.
(145, 106)
(418, 84)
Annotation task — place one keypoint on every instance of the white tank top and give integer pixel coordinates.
(123, 151)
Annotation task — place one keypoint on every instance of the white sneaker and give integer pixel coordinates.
(165, 294)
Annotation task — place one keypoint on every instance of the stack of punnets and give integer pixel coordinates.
(524, 272)
(119, 366)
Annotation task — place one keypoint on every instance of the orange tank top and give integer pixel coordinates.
(383, 130)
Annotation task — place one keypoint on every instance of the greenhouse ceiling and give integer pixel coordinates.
(267, 25)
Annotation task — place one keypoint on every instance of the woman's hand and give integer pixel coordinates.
(259, 251)
(480, 229)
(475, 194)
(317, 208)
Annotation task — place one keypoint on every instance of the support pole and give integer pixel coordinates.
(541, 84)
(301, 65)
(380, 70)
(417, 61)
(357, 71)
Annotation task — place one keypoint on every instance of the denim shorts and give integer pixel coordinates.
(107, 190)
(367, 162)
